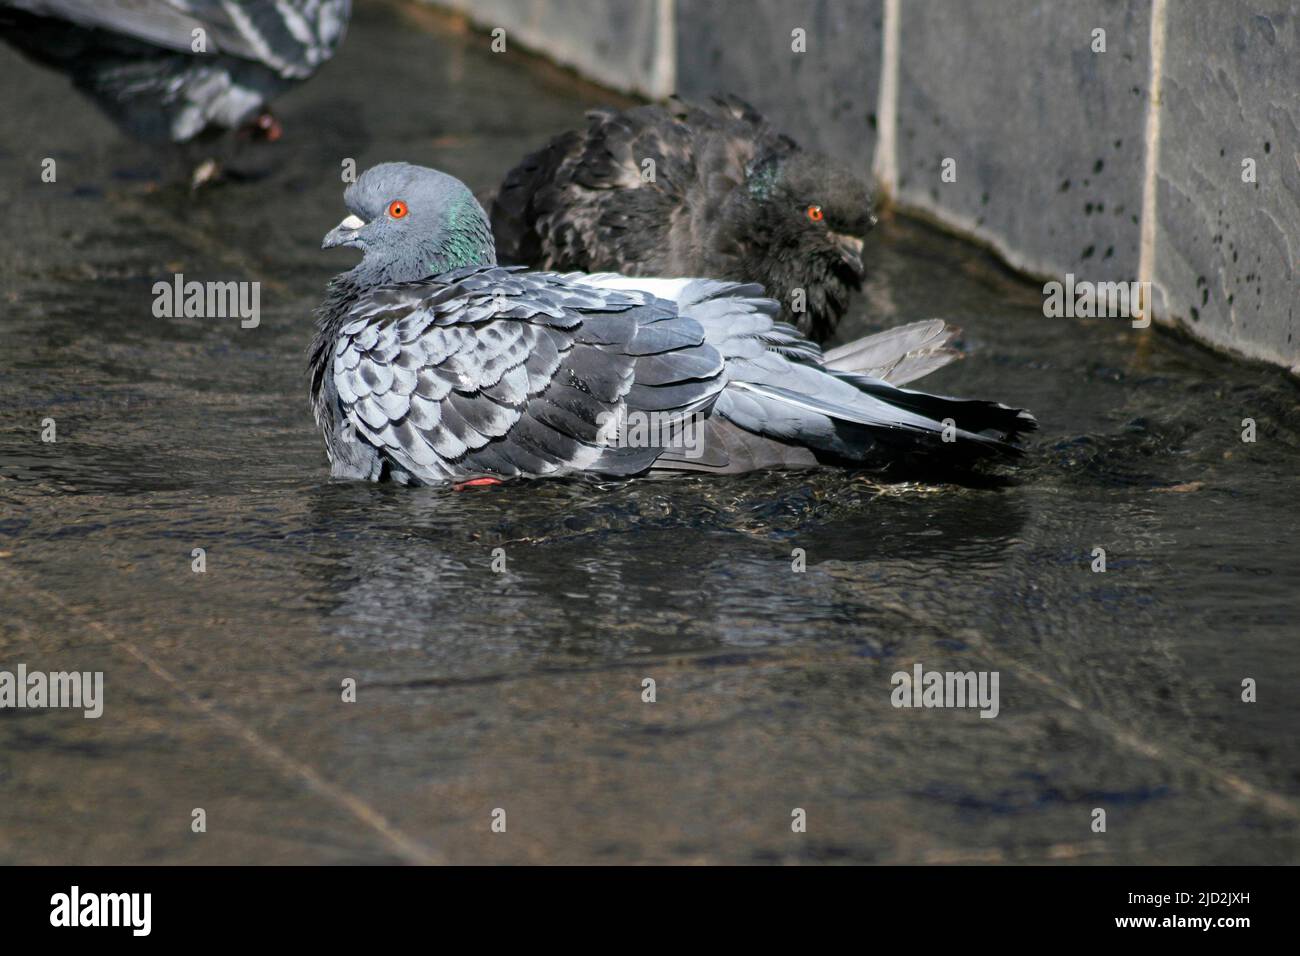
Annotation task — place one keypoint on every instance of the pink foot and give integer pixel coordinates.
(475, 483)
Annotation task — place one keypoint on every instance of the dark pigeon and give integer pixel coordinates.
(136, 58)
(433, 364)
(730, 198)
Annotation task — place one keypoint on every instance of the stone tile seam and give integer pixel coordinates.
(1151, 159)
(885, 164)
(289, 766)
(664, 77)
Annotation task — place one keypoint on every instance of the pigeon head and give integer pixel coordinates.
(806, 220)
(411, 222)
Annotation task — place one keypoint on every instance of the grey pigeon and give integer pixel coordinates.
(433, 364)
(137, 59)
(692, 190)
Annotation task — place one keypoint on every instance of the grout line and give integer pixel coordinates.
(401, 844)
(885, 166)
(1147, 235)
(664, 80)
(1128, 737)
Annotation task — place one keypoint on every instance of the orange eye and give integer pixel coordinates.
(815, 213)
(397, 209)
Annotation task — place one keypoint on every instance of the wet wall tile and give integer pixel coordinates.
(1047, 135)
(824, 97)
(1227, 251)
(1046, 132)
(623, 44)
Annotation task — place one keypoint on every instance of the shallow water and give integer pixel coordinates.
(522, 690)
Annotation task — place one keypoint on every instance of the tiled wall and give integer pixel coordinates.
(1058, 159)
(1227, 252)
(623, 44)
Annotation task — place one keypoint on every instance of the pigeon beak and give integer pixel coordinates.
(344, 234)
(850, 248)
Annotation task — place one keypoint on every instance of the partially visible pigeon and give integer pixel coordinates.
(692, 190)
(433, 364)
(176, 69)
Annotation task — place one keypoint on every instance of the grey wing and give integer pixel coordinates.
(782, 388)
(292, 37)
(534, 381)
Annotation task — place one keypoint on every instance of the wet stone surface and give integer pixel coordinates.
(825, 97)
(1043, 135)
(1228, 256)
(522, 690)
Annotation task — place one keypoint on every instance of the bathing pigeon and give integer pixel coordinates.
(174, 69)
(692, 190)
(433, 364)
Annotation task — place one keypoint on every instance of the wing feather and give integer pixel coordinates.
(513, 374)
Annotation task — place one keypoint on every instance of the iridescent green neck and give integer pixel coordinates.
(465, 240)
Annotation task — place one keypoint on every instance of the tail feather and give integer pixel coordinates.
(852, 428)
(898, 355)
(991, 419)
(877, 365)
